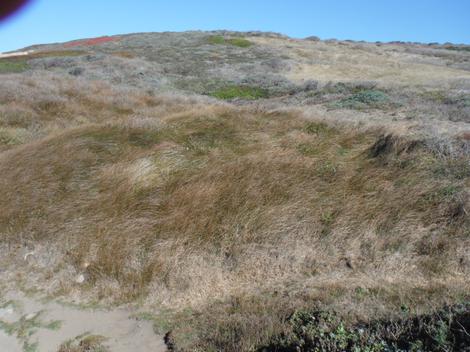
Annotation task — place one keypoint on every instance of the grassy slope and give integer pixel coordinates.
(237, 216)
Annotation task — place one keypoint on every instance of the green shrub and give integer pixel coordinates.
(445, 330)
(363, 100)
(242, 92)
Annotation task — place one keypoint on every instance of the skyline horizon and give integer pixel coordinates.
(235, 31)
(53, 21)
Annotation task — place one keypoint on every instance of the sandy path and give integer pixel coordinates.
(46, 325)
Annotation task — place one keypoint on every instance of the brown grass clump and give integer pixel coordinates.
(88, 343)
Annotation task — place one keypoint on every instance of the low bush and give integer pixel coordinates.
(363, 100)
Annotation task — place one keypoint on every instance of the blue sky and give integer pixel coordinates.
(46, 21)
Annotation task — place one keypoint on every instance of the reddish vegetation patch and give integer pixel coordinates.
(92, 41)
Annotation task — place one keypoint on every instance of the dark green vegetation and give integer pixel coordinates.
(262, 326)
(27, 326)
(444, 330)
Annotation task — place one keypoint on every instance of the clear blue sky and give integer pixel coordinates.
(45, 21)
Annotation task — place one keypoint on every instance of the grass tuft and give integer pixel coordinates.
(85, 343)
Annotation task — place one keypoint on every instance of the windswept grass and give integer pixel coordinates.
(249, 189)
(241, 222)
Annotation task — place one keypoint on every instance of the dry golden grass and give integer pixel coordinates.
(392, 65)
(183, 203)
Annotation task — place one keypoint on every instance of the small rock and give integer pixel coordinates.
(30, 316)
(27, 255)
(4, 312)
(80, 279)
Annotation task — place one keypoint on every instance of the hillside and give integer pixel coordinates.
(248, 191)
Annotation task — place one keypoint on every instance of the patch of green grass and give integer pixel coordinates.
(240, 42)
(240, 92)
(30, 347)
(11, 303)
(13, 66)
(20, 63)
(216, 39)
(220, 40)
(26, 326)
(53, 325)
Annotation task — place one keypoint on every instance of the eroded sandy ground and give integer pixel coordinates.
(36, 326)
